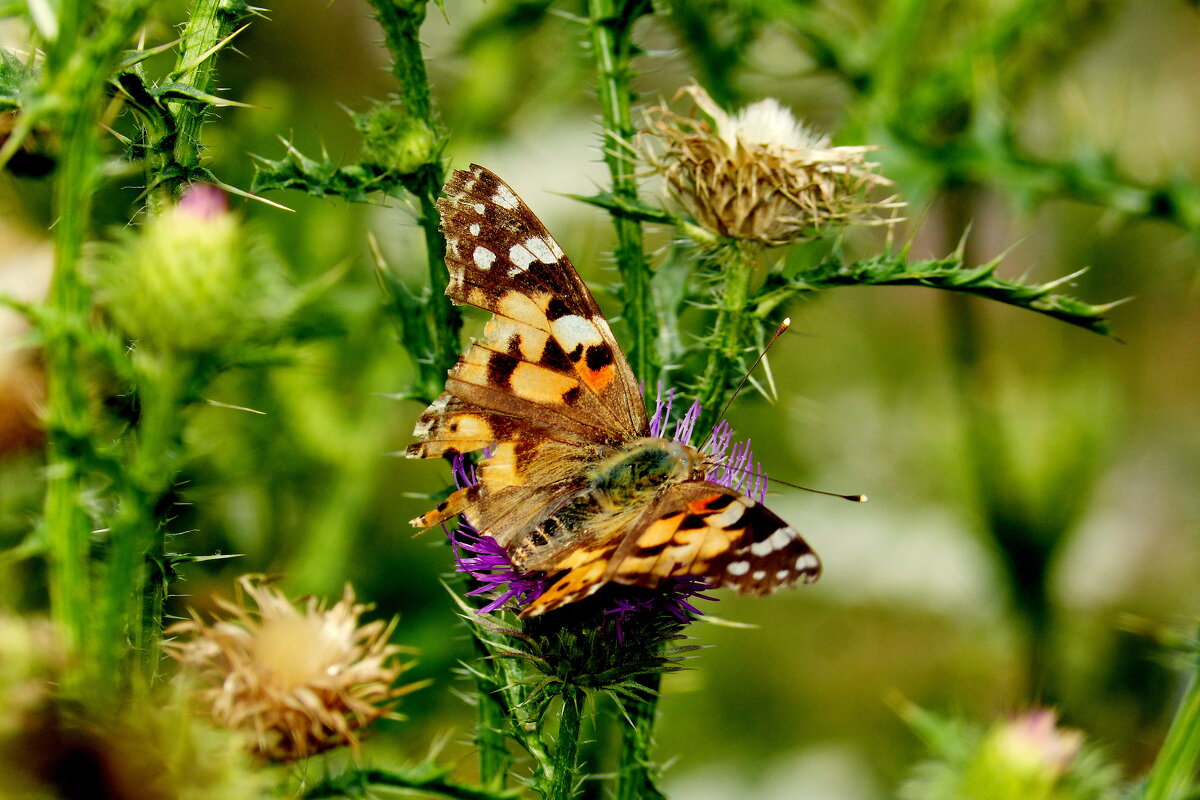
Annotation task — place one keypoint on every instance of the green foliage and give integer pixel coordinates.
(185, 299)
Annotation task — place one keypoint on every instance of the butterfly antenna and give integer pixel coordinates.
(853, 498)
(783, 326)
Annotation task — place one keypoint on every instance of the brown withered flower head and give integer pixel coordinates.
(295, 681)
(759, 174)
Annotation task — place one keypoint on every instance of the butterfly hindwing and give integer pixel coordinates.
(696, 529)
(702, 529)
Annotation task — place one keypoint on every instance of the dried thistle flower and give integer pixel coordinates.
(759, 174)
(295, 681)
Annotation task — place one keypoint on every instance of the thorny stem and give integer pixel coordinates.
(401, 23)
(611, 22)
(491, 721)
(635, 778)
(565, 767)
(209, 23)
(734, 261)
(77, 68)
(136, 533)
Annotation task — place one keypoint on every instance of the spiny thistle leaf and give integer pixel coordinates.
(322, 178)
(894, 269)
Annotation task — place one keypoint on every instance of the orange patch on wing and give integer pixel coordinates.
(701, 506)
(597, 379)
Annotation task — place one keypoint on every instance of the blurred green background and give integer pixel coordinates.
(1094, 440)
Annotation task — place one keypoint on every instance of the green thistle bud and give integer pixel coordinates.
(396, 140)
(193, 280)
(1026, 757)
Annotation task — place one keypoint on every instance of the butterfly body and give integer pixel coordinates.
(576, 488)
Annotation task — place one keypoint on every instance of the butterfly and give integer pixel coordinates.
(576, 488)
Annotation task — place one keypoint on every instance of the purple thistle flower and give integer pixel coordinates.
(731, 464)
(488, 564)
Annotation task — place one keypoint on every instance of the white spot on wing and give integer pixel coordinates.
(504, 197)
(474, 228)
(738, 568)
(782, 574)
(537, 245)
(806, 562)
(520, 257)
(484, 258)
(775, 541)
(478, 207)
(759, 575)
(573, 330)
(729, 515)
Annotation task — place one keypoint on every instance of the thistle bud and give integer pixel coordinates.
(397, 140)
(1026, 757)
(193, 279)
(759, 174)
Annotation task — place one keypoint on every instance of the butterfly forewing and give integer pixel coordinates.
(548, 347)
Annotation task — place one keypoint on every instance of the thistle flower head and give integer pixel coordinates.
(296, 681)
(759, 174)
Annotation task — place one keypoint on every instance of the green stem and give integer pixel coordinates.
(444, 318)
(209, 23)
(611, 22)
(401, 23)
(635, 770)
(136, 532)
(1173, 776)
(491, 722)
(735, 262)
(563, 777)
(78, 66)
(68, 423)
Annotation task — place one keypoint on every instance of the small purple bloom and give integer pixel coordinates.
(487, 563)
(203, 201)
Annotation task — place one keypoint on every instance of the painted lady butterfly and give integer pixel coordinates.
(576, 488)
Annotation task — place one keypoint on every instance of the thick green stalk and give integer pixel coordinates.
(735, 263)
(494, 760)
(635, 770)
(611, 22)
(174, 156)
(78, 66)
(1175, 771)
(564, 776)
(67, 526)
